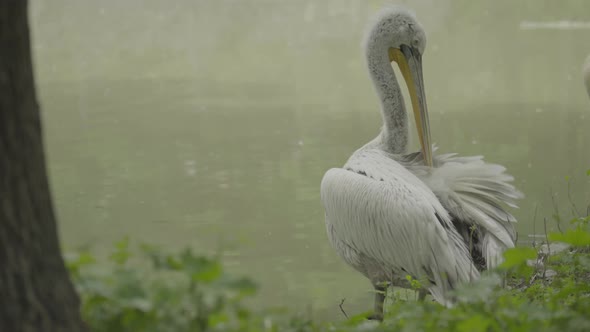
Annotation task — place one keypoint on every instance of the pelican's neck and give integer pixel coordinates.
(394, 135)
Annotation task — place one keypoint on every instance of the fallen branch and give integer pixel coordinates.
(342, 309)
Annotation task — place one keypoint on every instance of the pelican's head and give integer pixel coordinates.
(394, 32)
(393, 27)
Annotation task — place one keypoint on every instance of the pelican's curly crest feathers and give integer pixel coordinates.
(393, 12)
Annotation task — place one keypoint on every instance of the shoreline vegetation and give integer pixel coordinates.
(544, 287)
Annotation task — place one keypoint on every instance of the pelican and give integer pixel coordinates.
(586, 73)
(389, 213)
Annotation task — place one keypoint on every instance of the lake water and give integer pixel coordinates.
(218, 140)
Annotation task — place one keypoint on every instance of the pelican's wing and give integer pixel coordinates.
(380, 210)
(474, 192)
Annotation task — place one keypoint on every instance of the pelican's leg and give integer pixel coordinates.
(422, 294)
(380, 292)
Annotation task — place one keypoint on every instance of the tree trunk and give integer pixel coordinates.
(36, 293)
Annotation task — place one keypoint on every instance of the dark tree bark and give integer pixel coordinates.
(36, 293)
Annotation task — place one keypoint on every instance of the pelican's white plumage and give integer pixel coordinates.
(385, 238)
(473, 192)
(390, 214)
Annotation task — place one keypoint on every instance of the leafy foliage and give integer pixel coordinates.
(159, 292)
(149, 290)
(145, 289)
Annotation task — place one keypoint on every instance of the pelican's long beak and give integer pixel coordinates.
(410, 64)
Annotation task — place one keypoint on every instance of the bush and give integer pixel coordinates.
(154, 291)
(146, 289)
(151, 291)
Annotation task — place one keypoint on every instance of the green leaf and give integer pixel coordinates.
(208, 273)
(121, 254)
(480, 290)
(119, 257)
(584, 262)
(588, 172)
(218, 318)
(201, 268)
(159, 259)
(123, 244)
(80, 259)
(477, 323)
(576, 237)
(173, 263)
(358, 319)
(244, 286)
(76, 261)
(242, 313)
(140, 304)
(515, 257)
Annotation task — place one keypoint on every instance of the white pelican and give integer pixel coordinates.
(390, 214)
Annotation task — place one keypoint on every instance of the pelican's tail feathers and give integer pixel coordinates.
(474, 193)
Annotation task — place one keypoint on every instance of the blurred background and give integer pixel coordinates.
(210, 123)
